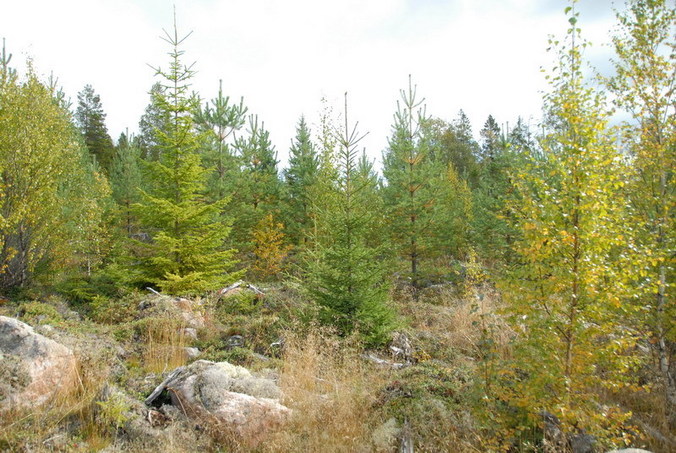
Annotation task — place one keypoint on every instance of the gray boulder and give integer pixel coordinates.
(234, 341)
(191, 353)
(190, 333)
(226, 395)
(161, 306)
(401, 348)
(33, 368)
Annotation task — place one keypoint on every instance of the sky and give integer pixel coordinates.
(283, 56)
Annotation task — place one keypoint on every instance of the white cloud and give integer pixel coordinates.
(282, 56)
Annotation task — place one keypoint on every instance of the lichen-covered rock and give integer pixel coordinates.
(33, 368)
(189, 312)
(401, 348)
(190, 333)
(385, 436)
(225, 395)
(191, 353)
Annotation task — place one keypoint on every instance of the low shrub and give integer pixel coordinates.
(106, 310)
(35, 312)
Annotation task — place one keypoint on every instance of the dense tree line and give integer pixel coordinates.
(574, 220)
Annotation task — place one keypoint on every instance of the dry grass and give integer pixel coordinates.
(458, 323)
(45, 428)
(332, 393)
(165, 344)
(649, 426)
(460, 338)
(339, 401)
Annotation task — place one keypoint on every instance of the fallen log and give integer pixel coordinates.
(160, 388)
(243, 285)
(379, 361)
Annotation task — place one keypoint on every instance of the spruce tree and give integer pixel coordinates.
(154, 120)
(126, 181)
(520, 139)
(322, 194)
(368, 178)
(499, 158)
(91, 119)
(187, 253)
(299, 178)
(492, 141)
(453, 144)
(346, 278)
(220, 120)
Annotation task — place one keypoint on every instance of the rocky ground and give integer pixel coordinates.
(244, 370)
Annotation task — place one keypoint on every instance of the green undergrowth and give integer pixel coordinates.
(444, 397)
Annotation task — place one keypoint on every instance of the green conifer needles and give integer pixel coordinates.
(346, 277)
(187, 252)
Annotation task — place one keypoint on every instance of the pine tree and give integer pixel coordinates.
(299, 178)
(7, 73)
(564, 295)
(645, 64)
(126, 181)
(346, 278)
(408, 193)
(187, 253)
(91, 119)
(257, 191)
(220, 120)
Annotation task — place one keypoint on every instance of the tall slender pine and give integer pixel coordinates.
(408, 172)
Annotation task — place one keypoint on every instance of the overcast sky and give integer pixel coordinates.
(283, 56)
